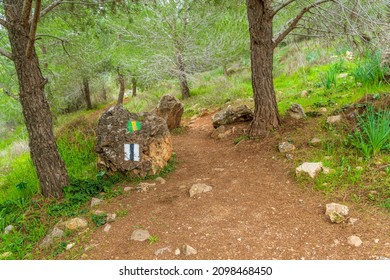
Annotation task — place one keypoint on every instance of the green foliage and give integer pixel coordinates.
(373, 134)
(153, 239)
(241, 138)
(329, 78)
(99, 219)
(369, 70)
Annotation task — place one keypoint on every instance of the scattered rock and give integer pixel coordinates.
(323, 110)
(199, 188)
(177, 252)
(315, 141)
(143, 187)
(107, 228)
(352, 221)
(311, 168)
(376, 241)
(343, 75)
(162, 251)
(334, 119)
(160, 180)
(231, 114)
(76, 223)
(8, 229)
(336, 212)
(136, 145)
(95, 201)
(304, 93)
(49, 239)
(127, 189)
(111, 217)
(296, 112)
(355, 241)
(289, 156)
(170, 109)
(221, 132)
(5, 255)
(286, 147)
(188, 250)
(140, 235)
(70, 246)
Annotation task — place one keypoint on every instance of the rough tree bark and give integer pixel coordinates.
(43, 148)
(121, 81)
(87, 93)
(184, 89)
(266, 115)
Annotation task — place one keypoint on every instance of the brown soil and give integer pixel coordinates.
(256, 209)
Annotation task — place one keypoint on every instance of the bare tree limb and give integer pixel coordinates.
(293, 22)
(4, 23)
(6, 54)
(51, 7)
(282, 6)
(63, 42)
(26, 11)
(33, 28)
(9, 93)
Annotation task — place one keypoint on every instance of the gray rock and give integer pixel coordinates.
(177, 252)
(310, 168)
(8, 229)
(95, 201)
(231, 115)
(107, 228)
(296, 112)
(170, 109)
(188, 250)
(220, 130)
(127, 189)
(76, 223)
(111, 217)
(143, 187)
(355, 241)
(286, 147)
(56, 233)
(315, 141)
(140, 235)
(199, 188)
(304, 93)
(334, 119)
(162, 251)
(335, 207)
(133, 151)
(70, 246)
(160, 180)
(323, 110)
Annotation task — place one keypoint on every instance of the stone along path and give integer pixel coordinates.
(254, 210)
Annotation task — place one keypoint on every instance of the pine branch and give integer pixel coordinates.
(6, 54)
(282, 6)
(33, 28)
(26, 11)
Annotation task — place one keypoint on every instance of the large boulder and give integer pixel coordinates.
(232, 115)
(132, 144)
(170, 109)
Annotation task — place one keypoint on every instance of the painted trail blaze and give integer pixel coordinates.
(134, 126)
(132, 152)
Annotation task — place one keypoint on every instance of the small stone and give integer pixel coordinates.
(334, 119)
(95, 201)
(359, 168)
(111, 217)
(69, 246)
(188, 250)
(199, 188)
(5, 255)
(107, 228)
(336, 242)
(343, 75)
(315, 141)
(352, 221)
(342, 209)
(127, 189)
(8, 229)
(289, 156)
(286, 147)
(376, 241)
(177, 252)
(219, 169)
(140, 235)
(76, 223)
(296, 112)
(310, 168)
(323, 110)
(57, 233)
(160, 180)
(219, 130)
(162, 251)
(355, 241)
(328, 157)
(304, 93)
(143, 187)
(49, 239)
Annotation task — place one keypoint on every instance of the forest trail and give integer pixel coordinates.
(254, 211)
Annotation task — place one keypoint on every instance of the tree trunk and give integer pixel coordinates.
(134, 84)
(50, 168)
(266, 115)
(104, 93)
(184, 89)
(121, 81)
(87, 93)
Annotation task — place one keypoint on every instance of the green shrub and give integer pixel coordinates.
(373, 134)
(329, 78)
(369, 71)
